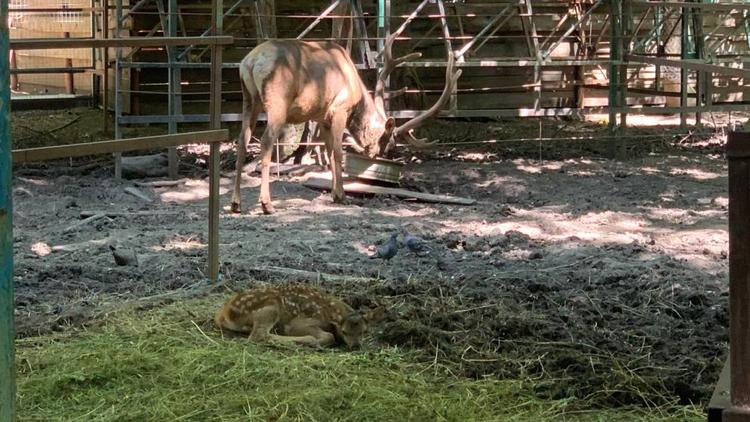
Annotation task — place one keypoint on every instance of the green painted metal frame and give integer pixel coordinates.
(7, 329)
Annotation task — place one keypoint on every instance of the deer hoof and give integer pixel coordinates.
(340, 200)
(267, 208)
(235, 207)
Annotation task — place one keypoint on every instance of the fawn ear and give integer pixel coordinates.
(375, 315)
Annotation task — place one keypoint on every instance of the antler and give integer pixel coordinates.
(405, 131)
(389, 63)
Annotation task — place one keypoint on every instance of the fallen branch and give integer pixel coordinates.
(138, 194)
(160, 183)
(114, 214)
(81, 245)
(301, 275)
(357, 187)
(85, 221)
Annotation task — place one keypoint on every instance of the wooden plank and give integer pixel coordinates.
(357, 187)
(119, 145)
(738, 154)
(56, 43)
(720, 397)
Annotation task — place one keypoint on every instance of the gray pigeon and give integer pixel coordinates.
(414, 243)
(387, 250)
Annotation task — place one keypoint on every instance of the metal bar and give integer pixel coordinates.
(117, 145)
(626, 23)
(229, 11)
(58, 43)
(364, 45)
(50, 70)
(497, 28)
(320, 17)
(690, 64)
(214, 152)
(118, 85)
(654, 31)
(173, 85)
(684, 47)
(703, 6)
(738, 155)
(503, 112)
(7, 327)
(411, 16)
(132, 9)
(460, 53)
(614, 74)
(105, 66)
(572, 28)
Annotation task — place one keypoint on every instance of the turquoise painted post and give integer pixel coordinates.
(7, 330)
(381, 24)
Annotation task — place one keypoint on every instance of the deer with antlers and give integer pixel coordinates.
(297, 81)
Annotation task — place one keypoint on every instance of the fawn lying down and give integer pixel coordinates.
(299, 314)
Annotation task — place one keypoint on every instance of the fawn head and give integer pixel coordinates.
(354, 326)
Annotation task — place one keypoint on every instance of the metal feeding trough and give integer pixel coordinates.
(367, 168)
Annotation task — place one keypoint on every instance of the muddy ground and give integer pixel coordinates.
(596, 278)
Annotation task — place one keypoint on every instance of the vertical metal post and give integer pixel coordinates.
(702, 93)
(614, 73)
(213, 161)
(684, 46)
(7, 329)
(626, 23)
(173, 87)
(118, 87)
(69, 87)
(381, 23)
(738, 154)
(105, 65)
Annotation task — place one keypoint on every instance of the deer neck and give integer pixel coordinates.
(363, 114)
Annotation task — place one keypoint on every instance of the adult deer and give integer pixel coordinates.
(297, 81)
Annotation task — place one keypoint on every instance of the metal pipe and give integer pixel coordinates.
(173, 86)
(7, 329)
(214, 164)
(317, 20)
(118, 86)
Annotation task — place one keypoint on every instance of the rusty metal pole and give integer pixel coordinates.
(7, 329)
(69, 86)
(738, 155)
(13, 65)
(214, 153)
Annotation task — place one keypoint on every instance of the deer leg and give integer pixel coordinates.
(338, 124)
(264, 319)
(250, 114)
(270, 135)
(309, 328)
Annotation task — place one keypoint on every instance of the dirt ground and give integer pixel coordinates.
(596, 278)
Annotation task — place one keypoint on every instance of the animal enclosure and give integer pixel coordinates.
(599, 286)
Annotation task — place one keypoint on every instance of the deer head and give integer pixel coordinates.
(354, 326)
(377, 133)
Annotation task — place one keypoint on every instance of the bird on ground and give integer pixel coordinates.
(415, 244)
(387, 250)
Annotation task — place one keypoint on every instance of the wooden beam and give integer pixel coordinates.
(738, 155)
(358, 187)
(118, 145)
(58, 43)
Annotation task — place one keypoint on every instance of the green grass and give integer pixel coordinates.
(168, 365)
